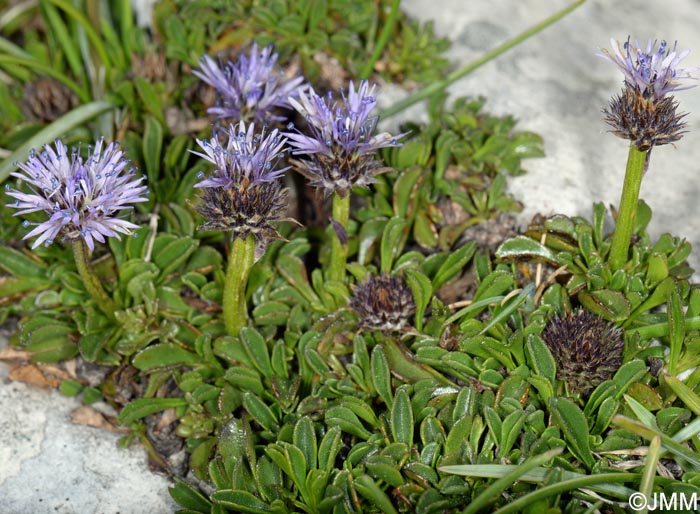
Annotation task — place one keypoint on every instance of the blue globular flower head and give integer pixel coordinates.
(654, 72)
(645, 113)
(244, 194)
(341, 146)
(251, 88)
(83, 198)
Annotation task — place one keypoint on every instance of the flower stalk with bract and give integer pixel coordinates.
(244, 197)
(83, 200)
(646, 114)
(340, 153)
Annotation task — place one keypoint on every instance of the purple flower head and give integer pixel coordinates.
(342, 143)
(653, 72)
(250, 88)
(247, 157)
(243, 195)
(81, 198)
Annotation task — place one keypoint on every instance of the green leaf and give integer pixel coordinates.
(405, 190)
(257, 350)
(260, 412)
(454, 265)
(152, 148)
(676, 323)
(304, 438)
(142, 407)
(381, 375)
(240, 501)
(164, 354)
(189, 498)
(522, 247)
(49, 341)
(574, 427)
(685, 393)
(20, 264)
(402, 418)
(422, 290)
(371, 491)
(391, 243)
(540, 358)
(329, 448)
(606, 303)
(171, 255)
(151, 103)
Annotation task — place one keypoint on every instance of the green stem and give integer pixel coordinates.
(402, 363)
(240, 261)
(339, 251)
(436, 87)
(90, 281)
(627, 213)
(382, 41)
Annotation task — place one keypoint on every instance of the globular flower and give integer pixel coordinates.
(586, 348)
(645, 112)
(244, 194)
(646, 124)
(342, 145)
(82, 198)
(383, 302)
(653, 72)
(251, 88)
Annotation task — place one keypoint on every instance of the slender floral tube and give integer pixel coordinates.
(240, 261)
(627, 213)
(90, 281)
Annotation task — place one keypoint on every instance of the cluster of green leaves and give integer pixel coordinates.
(453, 171)
(657, 274)
(339, 29)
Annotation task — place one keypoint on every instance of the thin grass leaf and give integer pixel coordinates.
(90, 32)
(685, 393)
(644, 415)
(565, 485)
(536, 476)
(668, 443)
(58, 128)
(67, 43)
(646, 487)
(49, 70)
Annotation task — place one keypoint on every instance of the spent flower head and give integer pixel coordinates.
(586, 348)
(244, 194)
(81, 197)
(251, 88)
(383, 302)
(342, 144)
(653, 71)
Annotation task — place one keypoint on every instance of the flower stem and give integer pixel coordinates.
(240, 261)
(624, 226)
(90, 281)
(441, 85)
(339, 249)
(382, 41)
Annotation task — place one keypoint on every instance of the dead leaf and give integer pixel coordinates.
(12, 353)
(31, 374)
(88, 416)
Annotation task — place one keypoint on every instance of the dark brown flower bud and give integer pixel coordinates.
(645, 121)
(587, 349)
(383, 303)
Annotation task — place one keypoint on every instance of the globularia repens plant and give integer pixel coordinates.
(381, 357)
